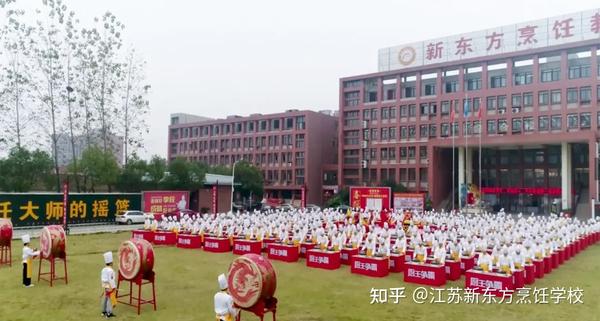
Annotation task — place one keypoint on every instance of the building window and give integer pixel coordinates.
(352, 83)
(516, 125)
(555, 97)
(392, 153)
(412, 174)
(451, 86)
(404, 111)
(556, 122)
(598, 92)
(516, 103)
(432, 131)
(572, 95)
(392, 133)
(572, 121)
(412, 110)
(528, 124)
(527, 99)
(491, 126)
(585, 120)
(576, 72)
(300, 122)
(423, 152)
(550, 75)
(429, 89)
(502, 126)
(403, 132)
(585, 95)
(403, 153)
(384, 134)
(543, 98)
(498, 81)
(476, 104)
(543, 123)
(491, 103)
(445, 129)
(423, 131)
(409, 92)
(411, 152)
(351, 99)
(473, 84)
(501, 104)
(390, 94)
(412, 132)
(523, 78)
(392, 113)
(385, 113)
(446, 108)
(424, 109)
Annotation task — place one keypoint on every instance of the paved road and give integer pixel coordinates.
(79, 229)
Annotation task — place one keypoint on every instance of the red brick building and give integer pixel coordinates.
(292, 148)
(534, 88)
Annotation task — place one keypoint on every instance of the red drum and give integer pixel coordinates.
(6, 231)
(53, 241)
(136, 258)
(251, 278)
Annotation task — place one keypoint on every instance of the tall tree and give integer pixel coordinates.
(135, 104)
(250, 179)
(16, 76)
(23, 169)
(100, 168)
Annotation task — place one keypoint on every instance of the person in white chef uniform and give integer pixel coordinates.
(224, 309)
(109, 294)
(28, 255)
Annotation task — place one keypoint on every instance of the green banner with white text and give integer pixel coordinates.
(28, 209)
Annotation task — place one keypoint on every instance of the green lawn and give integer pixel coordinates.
(186, 283)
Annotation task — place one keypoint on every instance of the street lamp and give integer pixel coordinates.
(233, 183)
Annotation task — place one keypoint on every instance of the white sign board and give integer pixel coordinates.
(522, 36)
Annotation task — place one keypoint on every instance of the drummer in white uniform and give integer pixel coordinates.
(107, 277)
(224, 309)
(28, 255)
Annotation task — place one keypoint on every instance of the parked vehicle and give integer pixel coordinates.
(131, 217)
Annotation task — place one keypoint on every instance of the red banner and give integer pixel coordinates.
(215, 199)
(377, 198)
(162, 202)
(303, 197)
(553, 191)
(65, 203)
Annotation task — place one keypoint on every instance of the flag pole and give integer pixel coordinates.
(480, 131)
(453, 161)
(466, 128)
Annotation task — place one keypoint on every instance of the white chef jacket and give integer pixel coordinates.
(224, 305)
(108, 276)
(29, 253)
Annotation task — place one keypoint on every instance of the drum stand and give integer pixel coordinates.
(6, 255)
(261, 308)
(52, 274)
(133, 301)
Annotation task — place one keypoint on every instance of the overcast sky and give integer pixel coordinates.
(219, 58)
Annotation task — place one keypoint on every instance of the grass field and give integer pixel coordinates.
(186, 283)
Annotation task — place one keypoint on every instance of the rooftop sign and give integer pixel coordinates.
(512, 38)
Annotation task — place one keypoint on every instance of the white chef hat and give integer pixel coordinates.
(26, 238)
(108, 258)
(222, 282)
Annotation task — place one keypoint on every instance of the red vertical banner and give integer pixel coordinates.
(303, 197)
(65, 203)
(215, 198)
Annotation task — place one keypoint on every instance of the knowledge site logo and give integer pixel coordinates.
(407, 56)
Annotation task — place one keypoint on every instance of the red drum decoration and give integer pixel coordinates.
(53, 242)
(6, 231)
(136, 258)
(251, 279)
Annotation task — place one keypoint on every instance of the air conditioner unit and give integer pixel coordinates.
(365, 124)
(501, 111)
(364, 164)
(515, 110)
(364, 144)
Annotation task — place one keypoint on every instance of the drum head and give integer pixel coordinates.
(45, 243)
(129, 260)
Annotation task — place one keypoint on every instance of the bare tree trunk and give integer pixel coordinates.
(75, 171)
(127, 107)
(17, 96)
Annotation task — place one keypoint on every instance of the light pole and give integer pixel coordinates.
(233, 183)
